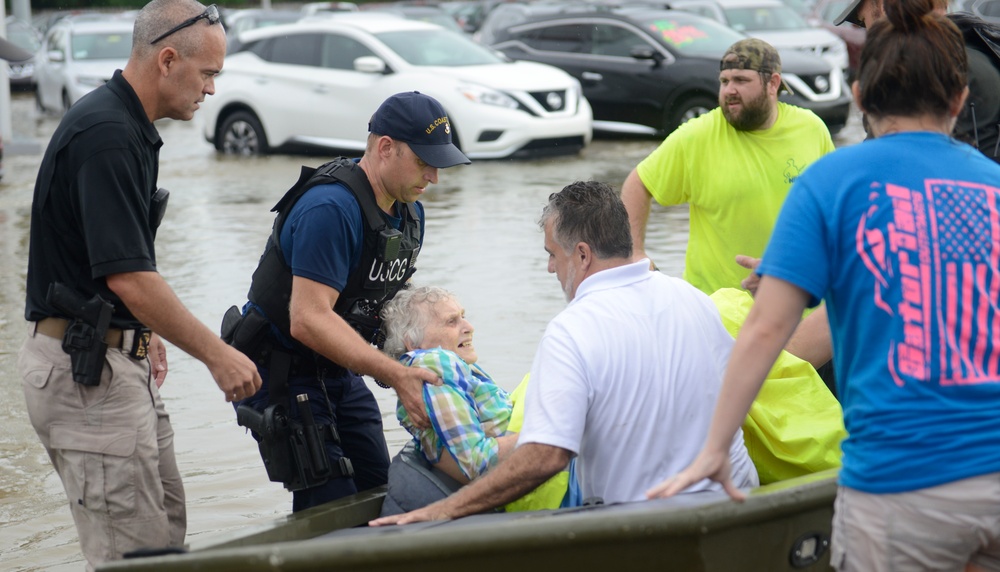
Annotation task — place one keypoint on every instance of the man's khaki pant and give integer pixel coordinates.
(111, 444)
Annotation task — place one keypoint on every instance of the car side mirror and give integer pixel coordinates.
(370, 64)
(56, 56)
(646, 53)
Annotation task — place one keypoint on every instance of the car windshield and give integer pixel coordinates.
(102, 46)
(691, 35)
(761, 18)
(437, 48)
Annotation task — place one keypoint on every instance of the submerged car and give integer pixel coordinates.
(78, 56)
(315, 84)
(646, 71)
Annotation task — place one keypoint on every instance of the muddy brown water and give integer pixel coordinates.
(482, 243)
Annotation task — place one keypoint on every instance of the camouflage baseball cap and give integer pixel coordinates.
(751, 54)
(755, 55)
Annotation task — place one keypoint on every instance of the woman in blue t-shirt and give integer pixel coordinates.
(900, 236)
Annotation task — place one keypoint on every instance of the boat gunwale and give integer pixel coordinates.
(567, 528)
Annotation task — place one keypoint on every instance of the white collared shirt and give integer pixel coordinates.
(627, 377)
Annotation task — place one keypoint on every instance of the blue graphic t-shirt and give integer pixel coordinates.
(901, 237)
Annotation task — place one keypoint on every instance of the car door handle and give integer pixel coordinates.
(592, 76)
(321, 89)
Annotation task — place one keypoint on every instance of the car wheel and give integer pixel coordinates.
(241, 134)
(65, 101)
(688, 109)
(39, 106)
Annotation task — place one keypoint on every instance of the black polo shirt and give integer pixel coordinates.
(90, 213)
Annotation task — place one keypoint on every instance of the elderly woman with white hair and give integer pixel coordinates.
(470, 414)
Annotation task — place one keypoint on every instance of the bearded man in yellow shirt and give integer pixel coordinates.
(733, 166)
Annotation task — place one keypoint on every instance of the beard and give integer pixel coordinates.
(751, 117)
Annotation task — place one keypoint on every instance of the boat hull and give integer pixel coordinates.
(784, 526)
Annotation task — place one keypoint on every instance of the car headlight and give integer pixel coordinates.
(487, 96)
(90, 81)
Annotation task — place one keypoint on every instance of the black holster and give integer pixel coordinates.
(293, 451)
(84, 336)
(245, 333)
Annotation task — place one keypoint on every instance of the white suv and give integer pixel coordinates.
(78, 54)
(316, 83)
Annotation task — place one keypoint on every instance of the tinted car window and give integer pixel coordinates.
(573, 38)
(296, 49)
(339, 52)
(693, 36)
(437, 48)
(615, 41)
(259, 47)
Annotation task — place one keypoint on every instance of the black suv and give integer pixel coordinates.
(646, 70)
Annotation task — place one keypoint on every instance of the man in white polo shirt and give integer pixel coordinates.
(626, 377)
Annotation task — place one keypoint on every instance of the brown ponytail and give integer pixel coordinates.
(913, 62)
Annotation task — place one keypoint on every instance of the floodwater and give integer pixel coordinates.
(482, 243)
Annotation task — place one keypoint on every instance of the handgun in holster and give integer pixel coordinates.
(84, 337)
(293, 451)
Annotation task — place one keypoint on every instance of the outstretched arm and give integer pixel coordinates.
(153, 302)
(772, 320)
(527, 467)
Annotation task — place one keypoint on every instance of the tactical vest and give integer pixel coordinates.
(387, 255)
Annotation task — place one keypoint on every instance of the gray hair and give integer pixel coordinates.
(593, 213)
(405, 317)
(159, 16)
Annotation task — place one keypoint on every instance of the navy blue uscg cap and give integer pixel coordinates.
(419, 121)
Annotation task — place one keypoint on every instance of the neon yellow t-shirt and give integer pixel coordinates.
(734, 183)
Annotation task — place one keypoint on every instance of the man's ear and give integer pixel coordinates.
(384, 146)
(774, 84)
(584, 254)
(165, 59)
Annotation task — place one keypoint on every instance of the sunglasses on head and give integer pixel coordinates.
(211, 14)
